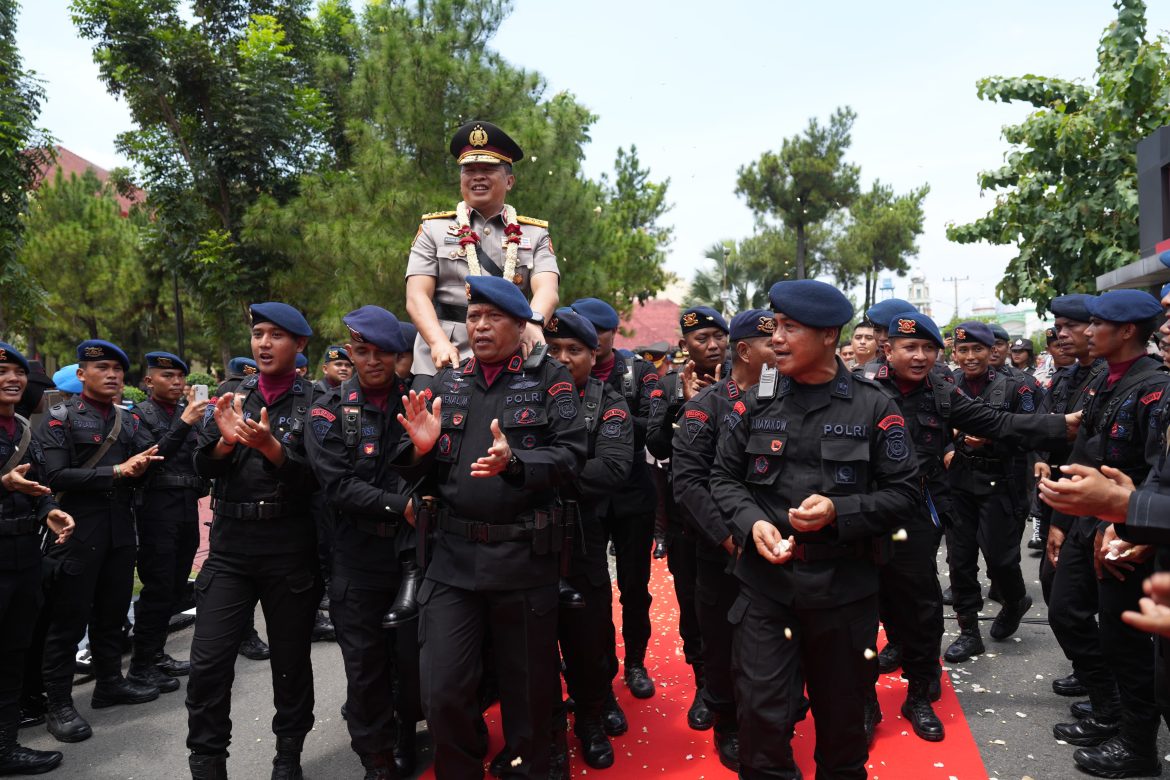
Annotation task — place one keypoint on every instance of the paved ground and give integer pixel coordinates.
(1006, 695)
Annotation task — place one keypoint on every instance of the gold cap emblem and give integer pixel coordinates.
(906, 327)
(553, 324)
(690, 319)
(3, 356)
(94, 352)
(960, 334)
(766, 325)
(334, 354)
(478, 136)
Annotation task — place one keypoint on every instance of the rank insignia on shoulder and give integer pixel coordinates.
(541, 223)
(439, 215)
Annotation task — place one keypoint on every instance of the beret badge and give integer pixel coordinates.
(478, 136)
(906, 326)
(766, 325)
(690, 319)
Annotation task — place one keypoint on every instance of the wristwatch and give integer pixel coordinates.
(537, 319)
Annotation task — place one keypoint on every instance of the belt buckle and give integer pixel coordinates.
(480, 533)
(799, 552)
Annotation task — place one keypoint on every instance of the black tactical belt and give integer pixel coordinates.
(989, 465)
(450, 312)
(261, 510)
(19, 526)
(176, 481)
(375, 528)
(484, 532)
(829, 552)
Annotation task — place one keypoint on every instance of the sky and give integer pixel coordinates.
(704, 88)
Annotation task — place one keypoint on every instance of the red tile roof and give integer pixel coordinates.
(655, 320)
(71, 163)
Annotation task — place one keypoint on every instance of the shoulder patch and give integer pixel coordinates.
(560, 387)
(657, 393)
(542, 223)
(1149, 398)
(320, 411)
(697, 414)
(615, 412)
(649, 377)
(438, 215)
(891, 420)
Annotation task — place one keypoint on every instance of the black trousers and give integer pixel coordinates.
(20, 601)
(910, 601)
(683, 566)
(586, 640)
(288, 588)
(1130, 654)
(715, 592)
(524, 639)
(375, 709)
(991, 525)
(826, 654)
(632, 537)
(1072, 609)
(166, 550)
(92, 587)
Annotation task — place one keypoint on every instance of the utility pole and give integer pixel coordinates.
(724, 293)
(956, 281)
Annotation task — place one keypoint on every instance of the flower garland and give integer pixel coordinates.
(469, 240)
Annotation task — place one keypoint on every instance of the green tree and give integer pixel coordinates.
(806, 182)
(879, 235)
(1066, 196)
(227, 112)
(25, 149)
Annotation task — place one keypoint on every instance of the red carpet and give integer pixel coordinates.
(659, 743)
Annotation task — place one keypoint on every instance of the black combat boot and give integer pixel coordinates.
(405, 606)
(286, 764)
(613, 720)
(727, 740)
(147, 674)
(379, 766)
(405, 754)
(1008, 619)
(63, 721)
(1081, 709)
(872, 717)
(640, 683)
(112, 690)
(661, 550)
(918, 711)
(32, 710)
(568, 596)
(18, 760)
(323, 630)
(1118, 758)
(172, 667)
(254, 648)
(948, 597)
(698, 716)
(968, 643)
(596, 750)
(1069, 686)
(890, 658)
(208, 767)
(1102, 725)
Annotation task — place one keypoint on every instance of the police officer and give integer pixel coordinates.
(483, 235)
(301, 365)
(911, 602)
(26, 506)
(1023, 357)
(705, 340)
(878, 317)
(94, 453)
(168, 517)
(336, 367)
(628, 512)
(263, 547)
(502, 436)
(1121, 431)
(815, 473)
(355, 433)
(587, 634)
(693, 454)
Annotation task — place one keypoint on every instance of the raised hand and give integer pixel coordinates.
(194, 410)
(422, 425)
(15, 482)
(229, 413)
(497, 456)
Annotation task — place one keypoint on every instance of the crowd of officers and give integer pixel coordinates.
(449, 491)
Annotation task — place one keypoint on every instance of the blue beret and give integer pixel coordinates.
(302, 361)
(96, 349)
(1124, 306)
(974, 332)
(811, 303)
(165, 360)
(998, 332)
(914, 325)
(1165, 258)
(753, 323)
(882, 312)
(501, 293)
(626, 353)
(10, 354)
(242, 366)
(1071, 307)
(569, 324)
(699, 317)
(409, 334)
(335, 352)
(1165, 291)
(601, 314)
(374, 325)
(65, 379)
(282, 316)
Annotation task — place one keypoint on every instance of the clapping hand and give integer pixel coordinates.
(422, 425)
(15, 482)
(497, 456)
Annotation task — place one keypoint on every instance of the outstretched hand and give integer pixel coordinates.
(497, 456)
(15, 482)
(422, 425)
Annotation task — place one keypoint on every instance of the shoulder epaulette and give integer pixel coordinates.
(439, 215)
(543, 223)
(59, 412)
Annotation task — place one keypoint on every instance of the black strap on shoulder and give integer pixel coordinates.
(942, 396)
(60, 413)
(629, 385)
(351, 425)
(998, 395)
(592, 403)
(21, 448)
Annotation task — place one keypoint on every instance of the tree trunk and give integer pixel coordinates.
(801, 247)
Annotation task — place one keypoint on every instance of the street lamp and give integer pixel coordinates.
(724, 293)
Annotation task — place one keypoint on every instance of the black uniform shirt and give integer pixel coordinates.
(539, 414)
(69, 434)
(666, 401)
(22, 551)
(1147, 520)
(844, 440)
(176, 439)
(358, 479)
(637, 494)
(247, 477)
(982, 470)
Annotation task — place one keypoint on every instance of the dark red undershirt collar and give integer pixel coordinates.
(8, 425)
(273, 387)
(1117, 370)
(103, 407)
(603, 369)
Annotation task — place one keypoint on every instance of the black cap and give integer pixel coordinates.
(483, 142)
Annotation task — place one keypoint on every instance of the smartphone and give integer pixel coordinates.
(200, 393)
